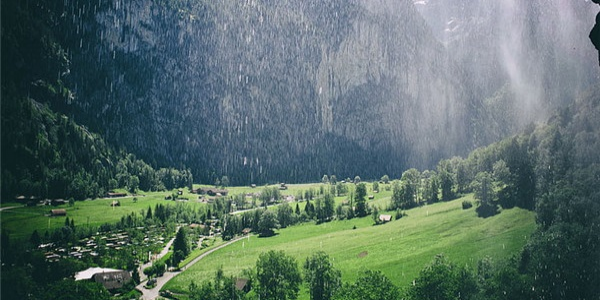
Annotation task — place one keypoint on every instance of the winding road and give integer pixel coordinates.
(153, 293)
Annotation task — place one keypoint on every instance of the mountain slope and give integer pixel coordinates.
(290, 90)
(254, 90)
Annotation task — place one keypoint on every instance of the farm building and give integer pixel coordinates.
(213, 192)
(115, 195)
(112, 280)
(58, 212)
(385, 218)
(109, 278)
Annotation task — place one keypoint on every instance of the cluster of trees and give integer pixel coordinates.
(45, 153)
(56, 158)
(320, 207)
(503, 174)
(276, 276)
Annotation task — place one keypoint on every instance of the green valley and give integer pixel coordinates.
(399, 248)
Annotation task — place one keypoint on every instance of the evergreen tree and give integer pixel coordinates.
(361, 203)
(181, 248)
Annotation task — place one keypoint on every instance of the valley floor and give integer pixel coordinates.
(400, 248)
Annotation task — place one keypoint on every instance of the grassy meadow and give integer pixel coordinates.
(21, 221)
(400, 248)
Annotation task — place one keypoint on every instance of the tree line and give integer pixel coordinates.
(553, 169)
(56, 158)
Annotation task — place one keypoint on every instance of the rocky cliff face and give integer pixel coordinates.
(280, 90)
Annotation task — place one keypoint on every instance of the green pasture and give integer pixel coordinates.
(400, 248)
(21, 221)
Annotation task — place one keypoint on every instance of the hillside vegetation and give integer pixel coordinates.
(400, 249)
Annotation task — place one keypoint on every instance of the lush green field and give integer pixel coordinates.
(22, 221)
(400, 249)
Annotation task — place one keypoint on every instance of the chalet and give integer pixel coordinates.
(253, 186)
(385, 218)
(88, 273)
(112, 280)
(246, 231)
(283, 186)
(371, 197)
(115, 203)
(115, 195)
(213, 192)
(58, 212)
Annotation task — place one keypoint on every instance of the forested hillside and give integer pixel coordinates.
(266, 91)
(45, 154)
(554, 169)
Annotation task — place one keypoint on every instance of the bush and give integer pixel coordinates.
(467, 204)
(399, 214)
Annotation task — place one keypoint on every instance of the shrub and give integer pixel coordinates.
(467, 204)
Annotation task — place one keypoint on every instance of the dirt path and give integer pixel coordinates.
(153, 293)
(8, 207)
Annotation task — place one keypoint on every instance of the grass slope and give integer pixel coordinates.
(400, 249)
(20, 222)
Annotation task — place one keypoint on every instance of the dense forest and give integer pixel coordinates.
(287, 91)
(45, 153)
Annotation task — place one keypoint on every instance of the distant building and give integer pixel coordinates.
(385, 218)
(110, 278)
(213, 192)
(115, 195)
(58, 212)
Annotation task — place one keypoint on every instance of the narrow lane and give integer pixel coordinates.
(151, 294)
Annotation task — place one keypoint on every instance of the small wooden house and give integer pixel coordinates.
(115, 195)
(58, 212)
(112, 280)
(385, 218)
